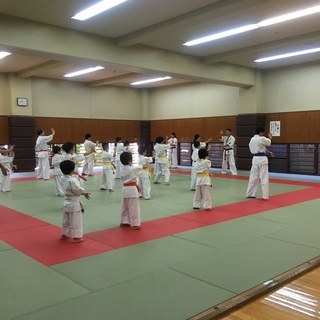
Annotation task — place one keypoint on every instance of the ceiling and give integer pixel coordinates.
(164, 25)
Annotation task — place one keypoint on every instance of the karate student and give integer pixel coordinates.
(89, 159)
(203, 184)
(43, 169)
(6, 161)
(130, 206)
(259, 169)
(194, 158)
(107, 176)
(118, 149)
(73, 207)
(55, 162)
(173, 152)
(228, 154)
(162, 164)
(202, 144)
(146, 177)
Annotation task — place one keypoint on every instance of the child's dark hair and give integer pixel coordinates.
(260, 129)
(39, 131)
(117, 140)
(67, 166)
(196, 137)
(159, 139)
(104, 145)
(141, 150)
(125, 158)
(56, 149)
(196, 144)
(203, 153)
(87, 136)
(66, 147)
(126, 143)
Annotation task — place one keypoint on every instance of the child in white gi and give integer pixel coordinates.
(118, 149)
(107, 177)
(146, 177)
(194, 158)
(162, 164)
(55, 162)
(6, 160)
(43, 169)
(130, 206)
(203, 185)
(173, 152)
(203, 145)
(73, 208)
(89, 159)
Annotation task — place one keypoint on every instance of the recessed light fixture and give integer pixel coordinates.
(4, 54)
(288, 55)
(96, 9)
(84, 71)
(264, 23)
(149, 81)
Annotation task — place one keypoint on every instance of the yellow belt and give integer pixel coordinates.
(203, 175)
(165, 157)
(150, 172)
(107, 164)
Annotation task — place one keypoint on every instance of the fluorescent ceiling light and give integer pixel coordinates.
(287, 55)
(149, 81)
(264, 23)
(96, 9)
(4, 54)
(78, 73)
(289, 16)
(221, 35)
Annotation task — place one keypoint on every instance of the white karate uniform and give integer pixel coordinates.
(259, 169)
(107, 176)
(76, 158)
(130, 206)
(89, 159)
(173, 152)
(194, 158)
(55, 161)
(203, 185)
(6, 180)
(73, 208)
(43, 169)
(119, 149)
(145, 178)
(202, 146)
(228, 155)
(162, 165)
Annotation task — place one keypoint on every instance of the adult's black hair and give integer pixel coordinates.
(39, 131)
(126, 143)
(196, 137)
(159, 139)
(125, 158)
(67, 166)
(66, 147)
(174, 134)
(87, 136)
(228, 129)
(260, 129)
(56, 149)
(203, 153)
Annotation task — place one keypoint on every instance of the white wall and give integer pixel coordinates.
(193, 101)
(5, 103)
(292, 89)
(56, 98)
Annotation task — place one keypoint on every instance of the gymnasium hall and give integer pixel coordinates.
(140, 69)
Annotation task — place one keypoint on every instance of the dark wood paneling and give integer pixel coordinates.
(4, 130)
(21, 132)
(16, 121)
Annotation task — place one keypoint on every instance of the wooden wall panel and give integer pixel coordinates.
(185, 129)
(4, 130)
(297, 127)
(68, 129)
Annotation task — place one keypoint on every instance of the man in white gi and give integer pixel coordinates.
(228, 154)
(43, 169)
(173, 153)
(259, 169)
(89, 159)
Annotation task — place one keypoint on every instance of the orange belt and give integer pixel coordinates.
(132, 184)
(80, 176)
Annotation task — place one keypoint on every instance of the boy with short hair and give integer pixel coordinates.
(55, 162)
(87, 169)
(73, 207)
(146, 177)
(130, 207)
(203, 184)
(107, 177)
